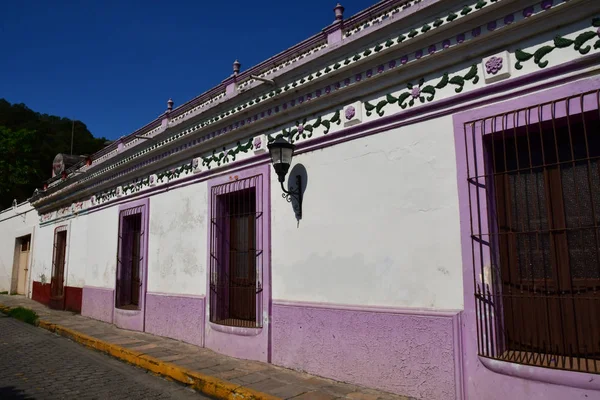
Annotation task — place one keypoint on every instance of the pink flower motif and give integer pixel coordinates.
(493, 65)
(350, 112)
(415, 92)
(257, 142)
(300, 128)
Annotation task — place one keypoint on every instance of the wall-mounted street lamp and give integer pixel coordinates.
(282, 152)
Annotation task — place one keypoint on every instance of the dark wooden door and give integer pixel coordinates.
(58, 270)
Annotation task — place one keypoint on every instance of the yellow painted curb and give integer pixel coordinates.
(205, 384)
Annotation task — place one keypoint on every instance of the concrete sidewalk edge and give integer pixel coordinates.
(205, 384)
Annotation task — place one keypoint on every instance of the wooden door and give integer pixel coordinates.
(23, 269)
(57, 289)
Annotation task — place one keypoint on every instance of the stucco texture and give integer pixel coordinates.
(177, 317)
(379, 212)
(98, 303)
(177, 241)
(407, 354)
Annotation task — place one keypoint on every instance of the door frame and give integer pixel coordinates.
(133, 319)
(247, 343)
(58, 302)
(15, 270)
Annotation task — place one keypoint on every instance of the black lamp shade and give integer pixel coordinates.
(281, 156)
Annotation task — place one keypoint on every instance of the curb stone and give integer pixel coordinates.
(208, 385)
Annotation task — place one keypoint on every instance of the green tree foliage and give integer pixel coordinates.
(29, 141)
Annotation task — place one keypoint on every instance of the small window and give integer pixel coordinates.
(25, 243)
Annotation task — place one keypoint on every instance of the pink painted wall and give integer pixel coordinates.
(409, 352)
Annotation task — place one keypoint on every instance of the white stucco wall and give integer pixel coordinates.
(13, 226)
(78, 259)
(101, 244)
(178, 241)
(380, 223)
(42, 250)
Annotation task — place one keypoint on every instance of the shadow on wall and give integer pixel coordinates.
(297, 170)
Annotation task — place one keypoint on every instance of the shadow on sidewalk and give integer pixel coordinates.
(11, 392)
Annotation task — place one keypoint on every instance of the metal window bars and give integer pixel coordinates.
(236, 254)
(534, 200)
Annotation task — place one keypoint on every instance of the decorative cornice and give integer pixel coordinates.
(376, 69)
(560, 42)
(375, 126)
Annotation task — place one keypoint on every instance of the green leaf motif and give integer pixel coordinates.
(444, 82)
(425, 28)
(429, 90)
(459, 81)
(402, 98)
(480, 4)
(466, 10)
(521, 57)
(378, 47)
(390, 99)
(580, 41)
(438, 22)
(541, 53)
(336, 118)
(389, 43)
(401, 38)
(379, 107)
(451, 17)
(412, 33)
(561, 42)
(597, 44)
(369, 107)
(472, 74)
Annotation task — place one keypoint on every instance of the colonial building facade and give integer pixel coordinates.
(436, 235)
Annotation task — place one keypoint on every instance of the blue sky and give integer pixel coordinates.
(114, 64)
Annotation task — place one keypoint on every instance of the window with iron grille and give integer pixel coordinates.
(235, 253)
(58, 262)
(129, 259)
(535, 213)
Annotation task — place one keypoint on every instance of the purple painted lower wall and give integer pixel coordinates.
(413, 353)
(98, 303)
(177, 317)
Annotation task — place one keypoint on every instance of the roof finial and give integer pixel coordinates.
(236, 67)
(170, 105)
(339, 12)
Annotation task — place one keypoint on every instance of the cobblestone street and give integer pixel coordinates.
(36, 364)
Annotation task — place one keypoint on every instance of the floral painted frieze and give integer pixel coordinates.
(579, 43)
(422, 93)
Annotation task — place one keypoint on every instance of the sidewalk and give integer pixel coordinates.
(208, 372)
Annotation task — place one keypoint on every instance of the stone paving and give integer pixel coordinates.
(36, 364)
(266, 378)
